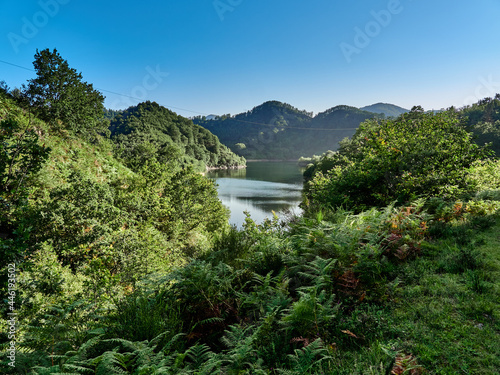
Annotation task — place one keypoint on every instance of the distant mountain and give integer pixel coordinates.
(390, 110)
(276, 130)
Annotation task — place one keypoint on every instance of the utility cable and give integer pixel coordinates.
(188, 110)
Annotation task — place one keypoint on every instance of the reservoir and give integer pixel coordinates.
(260, 189)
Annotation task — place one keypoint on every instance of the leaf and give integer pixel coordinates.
(347, 332)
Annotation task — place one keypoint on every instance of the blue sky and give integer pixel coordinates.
(228, 56)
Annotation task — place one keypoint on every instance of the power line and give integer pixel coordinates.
(17, 66)
(188, 110)
(133, 97)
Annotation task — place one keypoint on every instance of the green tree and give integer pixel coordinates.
(21, 157)
(417, 154)
(63, 98)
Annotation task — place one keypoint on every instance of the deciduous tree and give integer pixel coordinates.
(62, 98)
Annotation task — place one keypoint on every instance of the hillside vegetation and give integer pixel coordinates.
(276, 130)
(151, 131)
(389, 110)
(121, 268)
(483, 120)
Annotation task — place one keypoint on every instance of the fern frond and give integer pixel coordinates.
(78, 369)
(199, 354)
(173, 341)
(111, 363)
(310, 357)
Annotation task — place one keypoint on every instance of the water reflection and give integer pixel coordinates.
(261, 188)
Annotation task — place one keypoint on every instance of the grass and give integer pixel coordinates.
(448, 317)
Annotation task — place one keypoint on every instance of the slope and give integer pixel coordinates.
(91, 211)
(276, 130)
(483, 120)
(390, 110)
(150, 130)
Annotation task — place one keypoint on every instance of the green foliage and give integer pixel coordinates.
(276, 130)
(150, 132)
(328, 308)
(59, 95)
(79, 217)
(138, 272)
(416, 155)
(21, 158)
(195, 202)
(485, 175)
(483, 120)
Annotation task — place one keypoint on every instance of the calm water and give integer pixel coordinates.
(261, 188)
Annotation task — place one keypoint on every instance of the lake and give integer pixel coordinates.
(260, 189)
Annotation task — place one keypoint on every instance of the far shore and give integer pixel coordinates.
(208, 169)
(273, 160)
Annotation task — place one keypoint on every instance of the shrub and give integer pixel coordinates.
(416, 155)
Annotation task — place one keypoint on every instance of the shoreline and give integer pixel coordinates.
(272, 160)
(225, 168)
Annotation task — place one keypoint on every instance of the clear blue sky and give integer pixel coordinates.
(227, 56)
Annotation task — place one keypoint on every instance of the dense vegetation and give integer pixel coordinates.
(276, 130)
(151, 131)
(483, 120)
(131, 268)
(415, 155)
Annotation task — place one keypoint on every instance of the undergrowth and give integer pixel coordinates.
(409, 289)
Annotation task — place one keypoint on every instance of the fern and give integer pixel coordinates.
(320, 272)
(308, 360)
(111, 363)
(199, 354)
(266, 291)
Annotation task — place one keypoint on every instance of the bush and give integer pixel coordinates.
(416, 155)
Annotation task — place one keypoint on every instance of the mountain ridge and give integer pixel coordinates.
(390, 110)
(277, 130)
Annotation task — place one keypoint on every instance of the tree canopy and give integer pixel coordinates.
(275, 130)
(61, 97)
(417, 154)
(149, 131)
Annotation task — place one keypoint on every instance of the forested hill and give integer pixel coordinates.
(256, 133)
(483, 120)
(342, 120)
(390, 110)
(276, 130)
(150, 130)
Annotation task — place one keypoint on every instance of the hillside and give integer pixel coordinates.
(276, 130)
(483, 120)
(389, 110)
(140, 273)
(342, 120)
(150, 130)
(118, 258)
